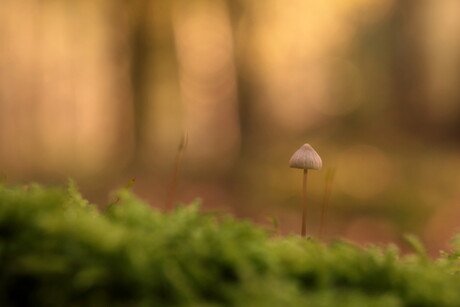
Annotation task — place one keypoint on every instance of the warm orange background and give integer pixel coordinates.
(102, 90)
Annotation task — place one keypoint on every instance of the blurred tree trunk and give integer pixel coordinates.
(238, 10)
(441, 46)
(426, 61)
(205, 52)
(63, 102)
(141, 49)
(409, 71)
(154, 82)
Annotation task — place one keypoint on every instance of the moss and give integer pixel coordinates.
(56, 249)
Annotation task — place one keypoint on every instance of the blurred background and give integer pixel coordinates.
(102, 91)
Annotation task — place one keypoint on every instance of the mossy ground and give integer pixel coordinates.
(58, 250)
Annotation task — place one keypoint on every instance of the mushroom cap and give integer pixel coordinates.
(306, 158)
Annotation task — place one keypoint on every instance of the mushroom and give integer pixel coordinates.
(305, 158)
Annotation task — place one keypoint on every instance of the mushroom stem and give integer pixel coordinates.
(304, 203)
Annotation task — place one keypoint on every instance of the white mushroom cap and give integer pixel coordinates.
(306, 158)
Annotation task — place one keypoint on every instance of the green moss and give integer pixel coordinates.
(56, 249)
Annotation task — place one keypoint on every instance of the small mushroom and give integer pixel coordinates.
(305, 158)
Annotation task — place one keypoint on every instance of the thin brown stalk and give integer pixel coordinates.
(327, 196)
(175, 177)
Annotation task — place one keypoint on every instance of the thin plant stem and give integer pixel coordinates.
(126, 187)
(304, 203)
(175, 178)
(327, 196)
